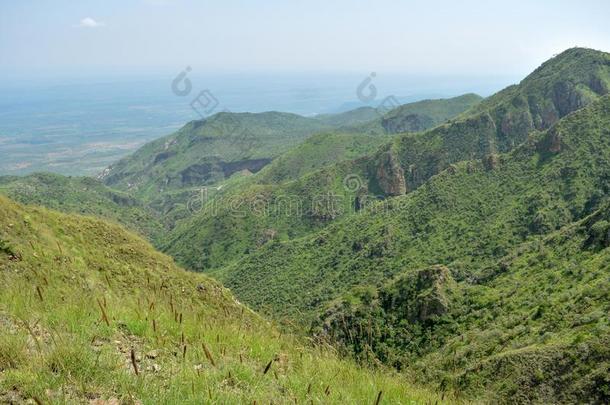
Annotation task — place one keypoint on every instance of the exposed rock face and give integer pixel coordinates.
(491, 162)
(432, 300)
(204, 173)
(390, 175)
(252, 165)
(551, 143)
(160, 157)
(420, 296)
(567, 98)
(199, 174)
(517, 122)
(123, 200)
(408, 123)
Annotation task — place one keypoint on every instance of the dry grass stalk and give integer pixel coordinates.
(104, 315)
(208, 354)
(39, 291)
(268, 367)
(133, 362)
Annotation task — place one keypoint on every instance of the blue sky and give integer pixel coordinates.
(413, 37)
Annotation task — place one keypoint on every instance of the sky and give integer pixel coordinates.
(431, 37)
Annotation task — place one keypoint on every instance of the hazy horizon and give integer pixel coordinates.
(96, 80)
(160, 37)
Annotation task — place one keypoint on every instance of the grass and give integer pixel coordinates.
(83, 195)
(85, 295)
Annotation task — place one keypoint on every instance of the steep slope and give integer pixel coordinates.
(533, 327)
(561, 85)
(325, 149)
(90, 312)
(241, 222)
(83, 195)
(465, 218)
(469, 237)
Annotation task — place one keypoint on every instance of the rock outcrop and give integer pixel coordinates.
(390, 175)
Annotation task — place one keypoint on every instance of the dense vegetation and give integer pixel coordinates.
(475, 219)
(90, 312)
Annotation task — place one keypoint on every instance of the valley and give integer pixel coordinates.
(450, 250)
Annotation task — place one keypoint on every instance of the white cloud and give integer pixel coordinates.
(89, 22)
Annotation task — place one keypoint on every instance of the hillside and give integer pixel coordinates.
(564, 84)
(349, 118)
(467, 217)
(533, 327)
(472, 220)
(418, 116)
(243, 220)
(83, 195)
(210, 150)
(318, 151)
(90, 312)
(207, 151)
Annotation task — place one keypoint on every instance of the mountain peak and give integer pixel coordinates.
(577, 65)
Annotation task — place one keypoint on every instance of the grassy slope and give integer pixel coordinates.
(83, 195)
(353, 117)
(317, 151)
(63, 276)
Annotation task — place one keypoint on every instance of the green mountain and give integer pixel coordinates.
(242, 220)
(470, 253)
(92, 314)
(489, 294)
(83, 195)
(561, 85)
(208, 151)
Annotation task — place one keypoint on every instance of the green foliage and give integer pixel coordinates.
(489, 278)
(320, 150)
